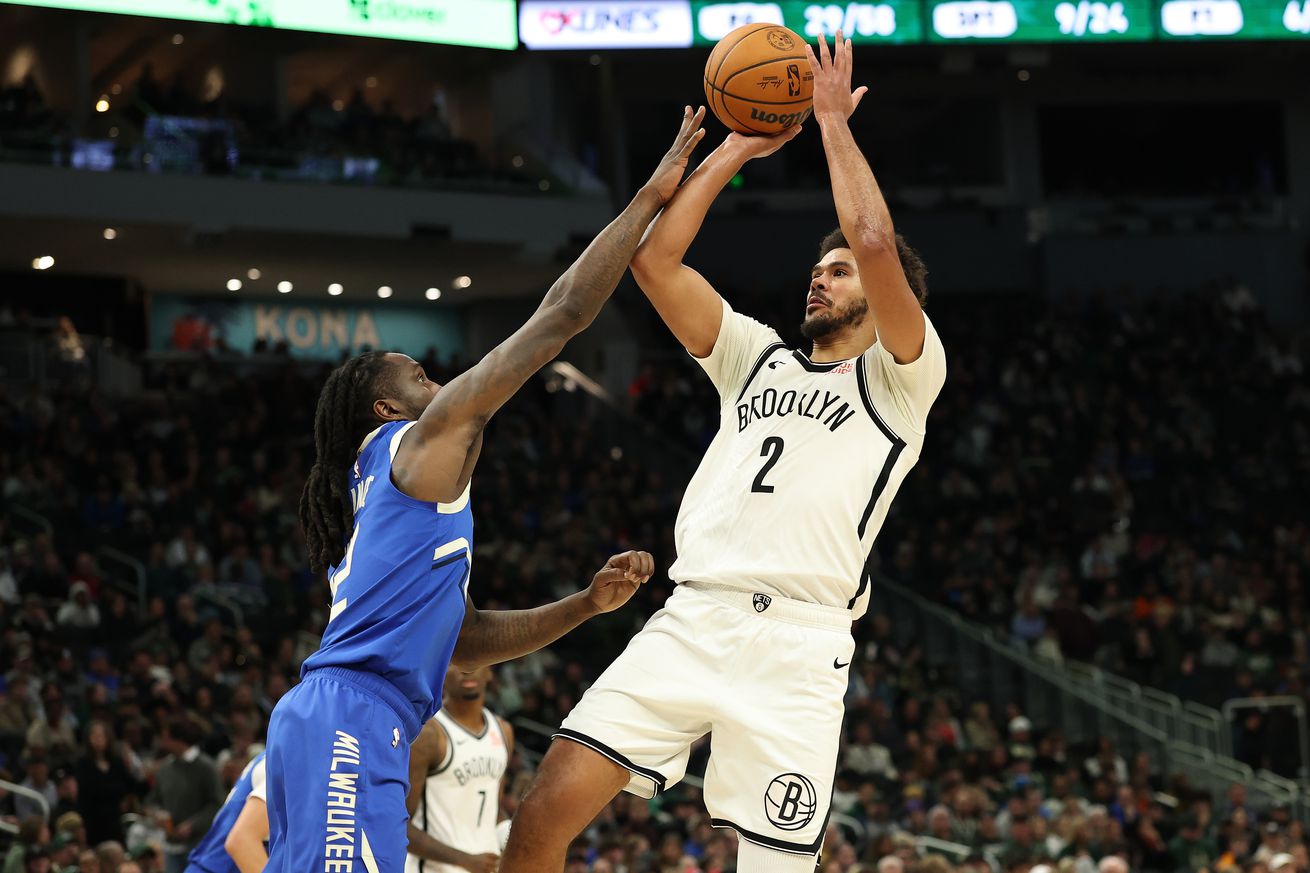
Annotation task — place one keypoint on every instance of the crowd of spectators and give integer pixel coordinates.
(177, 128)
(1123, 473)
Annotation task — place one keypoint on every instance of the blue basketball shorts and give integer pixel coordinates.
(338, 773)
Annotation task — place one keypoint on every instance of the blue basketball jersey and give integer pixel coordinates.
(398, 594)
(210, 855)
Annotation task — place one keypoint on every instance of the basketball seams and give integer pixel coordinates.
(711, 86)
(755, 29)
(756, 66)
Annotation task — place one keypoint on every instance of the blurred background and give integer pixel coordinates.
(1088, 639)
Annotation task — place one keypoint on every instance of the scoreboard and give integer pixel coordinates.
(1039, 20)
(872, 21)
(1011, 21)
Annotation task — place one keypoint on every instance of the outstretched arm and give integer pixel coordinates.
(687, 303)
(493, 636)
(865, 220)
(430, 463)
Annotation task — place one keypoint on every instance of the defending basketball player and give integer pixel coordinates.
(234, 843)
(775, 529)
(387, 512)
(455, 770)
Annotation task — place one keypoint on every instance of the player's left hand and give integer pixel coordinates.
(833, 97)
(668, 175)
(619, 579)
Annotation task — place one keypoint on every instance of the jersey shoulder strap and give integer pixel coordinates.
(449, 757)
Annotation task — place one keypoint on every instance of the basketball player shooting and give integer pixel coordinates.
(386, 511)
(455, 770)
(775, 529)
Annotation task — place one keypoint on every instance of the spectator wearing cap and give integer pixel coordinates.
(187, 793)
(1021, 738)
(63, 853)
(78, 616)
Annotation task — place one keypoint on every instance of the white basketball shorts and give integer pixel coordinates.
(764, 676)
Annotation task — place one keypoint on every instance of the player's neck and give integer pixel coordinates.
(468, 713)
(840, 346)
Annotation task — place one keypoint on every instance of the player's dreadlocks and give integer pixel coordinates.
(343, 418)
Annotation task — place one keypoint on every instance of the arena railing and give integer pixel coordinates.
(12, 788)
(134, 580)
(1055, 696)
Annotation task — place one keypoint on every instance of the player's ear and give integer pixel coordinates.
(387, 409)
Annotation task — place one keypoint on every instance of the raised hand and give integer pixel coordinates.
(751, 147)
(668, 175)
(619, 579)
(833, 97)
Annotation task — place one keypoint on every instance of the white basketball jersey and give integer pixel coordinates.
(461, 798)
(795, 486)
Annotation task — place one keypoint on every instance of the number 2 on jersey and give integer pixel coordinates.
(772, 449)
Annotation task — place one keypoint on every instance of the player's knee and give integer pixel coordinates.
(754, 858)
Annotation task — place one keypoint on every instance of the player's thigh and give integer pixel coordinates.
(654, 701)
(775, 739)
(571, 787)
(337, 770)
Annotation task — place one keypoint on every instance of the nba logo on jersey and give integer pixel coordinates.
(762, 602)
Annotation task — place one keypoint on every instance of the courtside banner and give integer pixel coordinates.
(596, 24)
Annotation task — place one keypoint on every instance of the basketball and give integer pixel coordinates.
(758, 80)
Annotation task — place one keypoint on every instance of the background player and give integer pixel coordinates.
(774, 532)
(455, 772)
(387, 509)
(235, 841)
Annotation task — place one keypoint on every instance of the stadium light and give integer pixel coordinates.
(284, 287)
(384, 292)
(432, 293)
(44, 262)
(234, 284)
(335, 289)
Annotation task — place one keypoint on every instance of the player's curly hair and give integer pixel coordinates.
(343, 418)
(915, 271)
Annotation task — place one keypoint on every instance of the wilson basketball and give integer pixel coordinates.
(758, 79)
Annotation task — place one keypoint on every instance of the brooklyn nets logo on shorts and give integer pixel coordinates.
(789, 802)
(762, 602)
